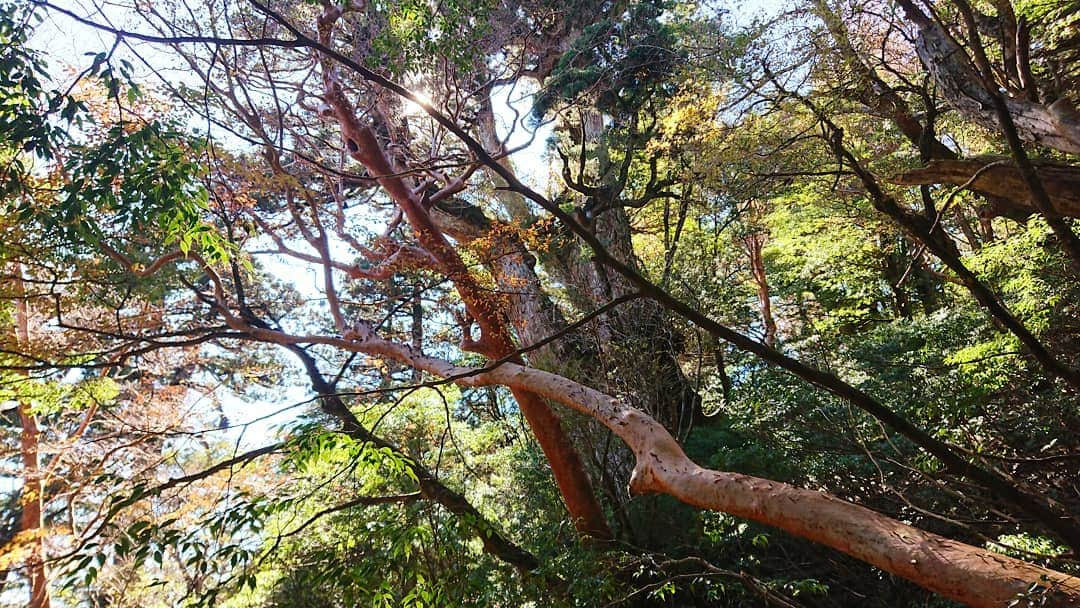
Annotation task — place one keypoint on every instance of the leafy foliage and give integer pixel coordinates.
(158, 265)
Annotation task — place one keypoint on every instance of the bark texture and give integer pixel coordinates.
(495, 340)
(528, 308)
(1001, 182)
(639, 336)
(1054, 125)
(961, 572)
(31, 523)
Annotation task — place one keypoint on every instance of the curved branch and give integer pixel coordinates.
(495, 338)
(430, 486)
(953, 569)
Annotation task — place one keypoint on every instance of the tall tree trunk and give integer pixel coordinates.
(1054, 125)
(1045, 510)
(640, 335)
(754, 244)
(31, 525)
(495, 339)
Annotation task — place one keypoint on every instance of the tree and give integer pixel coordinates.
(609, 76)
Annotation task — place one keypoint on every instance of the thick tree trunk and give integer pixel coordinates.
(528, 308)
(495, 340)
(638, 334)
(1045, 510)
(961, 572)
(31, 524)
(1055, 125)
(638, 338)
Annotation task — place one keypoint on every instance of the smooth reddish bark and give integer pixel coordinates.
(958, 571)
(495, 340)
(31, 524)
(754, 244)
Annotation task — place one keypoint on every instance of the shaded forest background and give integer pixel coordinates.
(438, 304)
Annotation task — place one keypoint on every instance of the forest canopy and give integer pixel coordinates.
(526, 303)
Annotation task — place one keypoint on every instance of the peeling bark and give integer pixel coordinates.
(532, 313)
(961, 572)
(953, 569)
(1055, 125)
(495, 340)
(1039, 506)
(31, 524)
(1000, 181)
(1045, 510)
(754, 244)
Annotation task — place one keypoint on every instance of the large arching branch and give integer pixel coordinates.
(953, 569)
(1007, 576)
